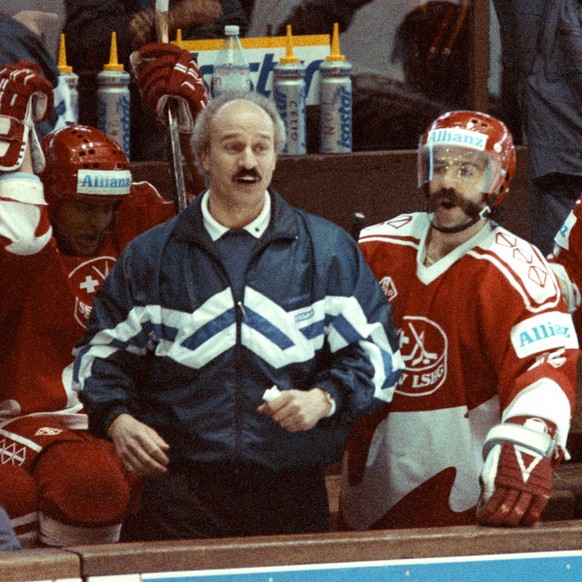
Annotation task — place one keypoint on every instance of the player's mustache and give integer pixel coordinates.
(451, 195)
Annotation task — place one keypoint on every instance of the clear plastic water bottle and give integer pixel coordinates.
(231, 73)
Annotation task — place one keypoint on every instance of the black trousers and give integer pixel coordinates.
(215, 500)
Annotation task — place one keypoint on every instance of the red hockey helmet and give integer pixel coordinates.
(83, 161)
(470, 132)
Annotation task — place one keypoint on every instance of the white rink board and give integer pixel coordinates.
(534, 567)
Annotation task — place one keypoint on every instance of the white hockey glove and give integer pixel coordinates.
(25, 98)
(520, 458)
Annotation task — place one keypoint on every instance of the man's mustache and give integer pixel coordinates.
(451, 195)
(247, 174)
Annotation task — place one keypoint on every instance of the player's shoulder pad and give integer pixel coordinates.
(146, 192)
(404, 226)
(523, 266)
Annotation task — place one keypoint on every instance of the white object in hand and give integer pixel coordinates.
(271, 394)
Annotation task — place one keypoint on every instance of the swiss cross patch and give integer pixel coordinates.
(85, 281)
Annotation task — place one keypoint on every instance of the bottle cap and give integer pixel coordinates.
(232, 30)
(62, 64)
(335, 47)
(113, 64)
(289, 56)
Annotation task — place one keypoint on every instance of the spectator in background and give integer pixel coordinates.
(431, 45)
(24, 36)
(88, 29)
(541, 44)
(431, 49)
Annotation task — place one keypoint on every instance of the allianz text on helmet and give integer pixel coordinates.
(473, 131)
(83, 161)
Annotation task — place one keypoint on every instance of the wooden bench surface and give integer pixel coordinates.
(39, 564)
(327, 548)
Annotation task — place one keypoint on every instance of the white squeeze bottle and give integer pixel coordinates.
(231, 73)
(71, 79)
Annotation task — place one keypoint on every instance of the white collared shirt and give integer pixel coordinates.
(256, 227)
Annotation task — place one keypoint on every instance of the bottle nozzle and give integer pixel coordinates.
(62, 64)
(289, 56)
(179, 37)
(113, 64)
(335, 54)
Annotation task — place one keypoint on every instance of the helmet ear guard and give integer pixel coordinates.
(473, 131)
(83, 161)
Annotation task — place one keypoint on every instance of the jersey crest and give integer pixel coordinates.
(84, 281)
(423, 345)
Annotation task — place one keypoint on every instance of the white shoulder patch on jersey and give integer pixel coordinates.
(523, 266)
(400, 228)
(21, 227)
(543, 333)
(562, 237)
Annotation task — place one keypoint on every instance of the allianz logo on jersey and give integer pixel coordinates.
(104, 182)
(544, 332)
(457, 136)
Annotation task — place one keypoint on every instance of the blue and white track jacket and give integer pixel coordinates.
(167, 344)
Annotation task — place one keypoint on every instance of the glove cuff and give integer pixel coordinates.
(540, 442)
(13, 140)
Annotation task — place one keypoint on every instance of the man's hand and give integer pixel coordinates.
(297, 410)
(163, 71)
(25, 97)
(194, 12)
(517, 474)
(181, 16)
(141, 449)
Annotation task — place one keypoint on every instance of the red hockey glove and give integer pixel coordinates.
(520, 458)
(164, 71)
(25, 97)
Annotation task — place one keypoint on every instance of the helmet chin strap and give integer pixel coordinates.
(485, 212)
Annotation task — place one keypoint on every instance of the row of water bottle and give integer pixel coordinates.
(232, 74)
(113, 102)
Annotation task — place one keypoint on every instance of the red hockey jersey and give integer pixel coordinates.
(567, 261)
(485, 336)
(46, 296)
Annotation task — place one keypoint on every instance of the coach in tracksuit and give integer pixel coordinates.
(230, 347)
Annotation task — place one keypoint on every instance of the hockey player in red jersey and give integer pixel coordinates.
(59, 237)
(480, 418)
(566, 260)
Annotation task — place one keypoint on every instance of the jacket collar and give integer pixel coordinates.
(189, 225)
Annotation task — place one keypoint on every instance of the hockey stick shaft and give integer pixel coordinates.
(358, 223)
(179, 193)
